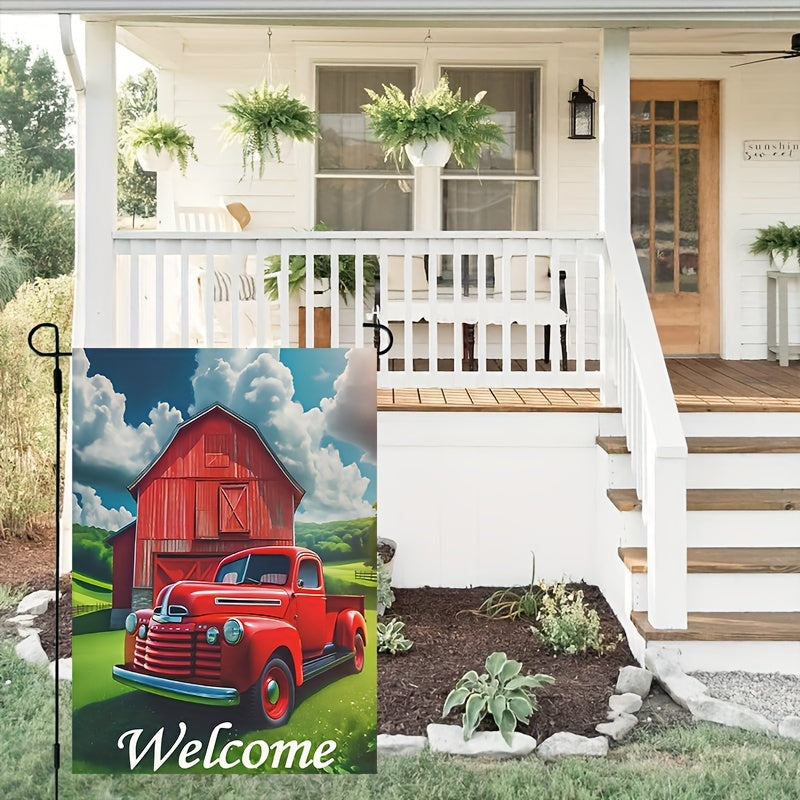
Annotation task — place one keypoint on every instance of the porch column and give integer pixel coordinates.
(98, 191)
(615, 181)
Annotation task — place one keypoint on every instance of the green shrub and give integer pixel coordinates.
(27, 402)
(14, 271)
(385, 595)
(34, 222)
(500, 691)
(566, 623)
(391, 638)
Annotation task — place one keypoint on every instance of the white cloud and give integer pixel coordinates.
(261, 391)
(105, 448)
(350, 414)
(89, 510)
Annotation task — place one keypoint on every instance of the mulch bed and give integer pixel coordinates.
(47, 622)
(412, 687)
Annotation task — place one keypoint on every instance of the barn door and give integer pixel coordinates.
(168, 568)
(233, 516)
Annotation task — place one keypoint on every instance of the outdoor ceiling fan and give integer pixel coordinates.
(774, 55)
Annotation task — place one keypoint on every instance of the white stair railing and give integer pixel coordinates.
(635, 377)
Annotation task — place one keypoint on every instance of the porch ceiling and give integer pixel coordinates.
(677, 13)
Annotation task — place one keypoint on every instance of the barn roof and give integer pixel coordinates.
(241, 420)
(124, 529)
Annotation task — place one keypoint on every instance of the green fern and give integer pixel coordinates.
(260, 116)
(439, 114)
(160, 134)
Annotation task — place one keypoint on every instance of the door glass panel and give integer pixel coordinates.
(665, 134)
(688, 256)
(640, 109)
(664, 164)
(640, 209)
(640, 134)
(688, 109)
(690, 134)
(665, 109)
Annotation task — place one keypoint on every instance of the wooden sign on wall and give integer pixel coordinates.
(772, 150)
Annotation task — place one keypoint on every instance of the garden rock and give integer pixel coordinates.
(790, 728)
(618, 728)
(64, 669)
(398, 744)
(628, 703)
(635, 680)
(567, 745)
(36, 603)
(487, 744)
(21, 620)
(735, 716)
(23, 633)
(30, 649)
(678, 685)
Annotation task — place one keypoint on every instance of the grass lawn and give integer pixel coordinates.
(699, 762)
(88, 591)
(345, 571)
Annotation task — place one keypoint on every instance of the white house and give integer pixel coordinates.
(487, 452)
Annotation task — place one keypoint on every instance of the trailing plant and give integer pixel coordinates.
(512, 603)
(566, 623)
(439, 114)
(500, 691)
(258, 117)
(391, 638)
(160, 134)
(385, 595)
(782, 238)
(322, 269)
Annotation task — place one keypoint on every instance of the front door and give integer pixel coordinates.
(675, 208)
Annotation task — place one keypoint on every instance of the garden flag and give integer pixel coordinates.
(224, 559)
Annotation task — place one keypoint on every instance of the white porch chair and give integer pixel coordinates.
(219, 219)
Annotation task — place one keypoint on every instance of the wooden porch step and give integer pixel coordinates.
(616, 445)
(721, 626)
(755, 560)
(719, 499)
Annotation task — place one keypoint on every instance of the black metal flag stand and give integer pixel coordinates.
(56, 354)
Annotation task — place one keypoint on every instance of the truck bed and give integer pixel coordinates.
(342, 602)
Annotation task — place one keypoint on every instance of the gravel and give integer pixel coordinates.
(774, 695)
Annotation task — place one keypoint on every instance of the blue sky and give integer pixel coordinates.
(316, 408)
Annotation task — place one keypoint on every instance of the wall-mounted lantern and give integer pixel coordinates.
(581, 113)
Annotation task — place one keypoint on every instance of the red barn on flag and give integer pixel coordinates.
(216, 487)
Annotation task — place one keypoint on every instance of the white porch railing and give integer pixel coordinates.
(433, 291)
(635, 377)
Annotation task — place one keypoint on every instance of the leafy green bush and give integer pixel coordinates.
(500, 691)
(26, 402)
(385, 595)
(257, 118)
(439, 114)
(14, 271)
(34, 222)
(391, 638)
(512, 603)
(566, 623)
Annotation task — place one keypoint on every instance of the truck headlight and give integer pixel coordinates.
(212, 635)
(142, 631)
(130, 623)
(233, 630)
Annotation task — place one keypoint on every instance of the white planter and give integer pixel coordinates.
(790, 264)
(322, 293)
(434, 153)
(287, 151)
(150, 161)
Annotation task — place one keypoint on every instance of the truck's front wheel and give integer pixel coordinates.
(270, 701)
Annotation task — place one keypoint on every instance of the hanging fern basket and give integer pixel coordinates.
(151, 161)
(786, 263)
(430, 153)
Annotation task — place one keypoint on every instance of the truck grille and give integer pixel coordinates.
(177, 651)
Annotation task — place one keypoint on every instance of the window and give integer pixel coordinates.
(503, 193)
(308, 574)
(216, 449)
(356, 189)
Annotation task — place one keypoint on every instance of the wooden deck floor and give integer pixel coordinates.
(700, 384)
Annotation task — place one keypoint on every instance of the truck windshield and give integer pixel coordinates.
(254, 568)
